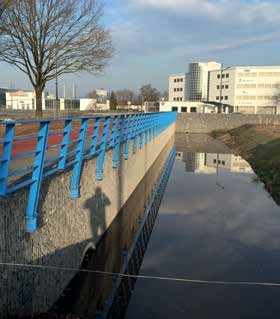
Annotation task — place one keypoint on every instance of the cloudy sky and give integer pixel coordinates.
(155, 38)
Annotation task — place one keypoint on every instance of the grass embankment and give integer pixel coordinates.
(260, 146)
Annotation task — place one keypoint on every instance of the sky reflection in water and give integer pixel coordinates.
(213, 224)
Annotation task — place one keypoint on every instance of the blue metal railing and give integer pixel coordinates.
(80, 139)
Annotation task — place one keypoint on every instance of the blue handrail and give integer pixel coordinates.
(93, 137)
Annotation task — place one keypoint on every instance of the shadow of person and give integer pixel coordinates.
(97, 209)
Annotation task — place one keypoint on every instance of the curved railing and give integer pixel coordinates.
(33, 150)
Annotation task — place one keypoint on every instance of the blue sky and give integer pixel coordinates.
(155, 38)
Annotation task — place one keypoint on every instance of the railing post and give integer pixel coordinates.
(135, 133)
(127, 145)
(118, 143)
(147, 129)
(75, 187)
(95, 136)
(99, 168)
(142, 130)
(151, 129)
(137, 127)
(38, 169)
(114, 129)
(6, 157)
(126, 128)
(156, 127)
(64, 145)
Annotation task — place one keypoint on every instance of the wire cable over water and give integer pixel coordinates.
(171, 279)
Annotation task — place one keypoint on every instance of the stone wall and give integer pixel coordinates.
(206, 123)
(67, 227)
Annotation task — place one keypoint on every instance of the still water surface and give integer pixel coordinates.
(216, 222)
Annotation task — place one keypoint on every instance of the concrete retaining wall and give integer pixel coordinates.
(206, 123)
(67, 227)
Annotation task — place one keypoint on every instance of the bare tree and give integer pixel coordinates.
(124, 96)
(165, 95)
(92, 95)
(3, 5)
(149, 94)
(48, 38)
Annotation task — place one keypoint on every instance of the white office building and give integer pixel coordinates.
(188, 92)
(179, 87)
(26, 100)
(210, 163)
(251, 90)
(230, 162)
(22, 100)
(186, 107)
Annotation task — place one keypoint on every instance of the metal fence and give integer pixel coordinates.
(56, 145)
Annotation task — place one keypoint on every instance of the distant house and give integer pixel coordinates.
(3, 91)
(21, 100)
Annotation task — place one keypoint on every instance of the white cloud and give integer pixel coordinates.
(192, 6)
(229, 10)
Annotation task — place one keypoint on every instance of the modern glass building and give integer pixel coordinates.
(199, 79)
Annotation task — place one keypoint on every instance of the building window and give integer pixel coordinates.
(222, 97)
(218, 76)
(218, 87)
(181, 99)
(215, 161)
(71, 104)
(193, 109)
(175, 80)
(217, 98)
(226, 97)
(223, 163)
(248, 86)
(174, 109)
(174, 99)
(223, 76)
(245, 97)
(182, 80)
(50, 104)
(227, 75)
(184, 109)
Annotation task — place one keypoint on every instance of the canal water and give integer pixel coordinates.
(216, 223)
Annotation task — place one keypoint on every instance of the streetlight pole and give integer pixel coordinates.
(217, 172)
(56, 89)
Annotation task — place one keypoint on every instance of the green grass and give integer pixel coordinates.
(260, 146)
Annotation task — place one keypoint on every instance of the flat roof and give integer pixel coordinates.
(178, 74)
(250, 67)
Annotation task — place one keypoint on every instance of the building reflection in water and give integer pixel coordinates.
(207, 163)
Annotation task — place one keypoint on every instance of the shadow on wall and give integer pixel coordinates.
(97, 209)
(25, 290)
